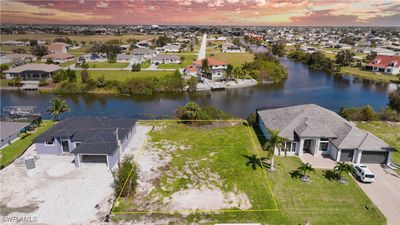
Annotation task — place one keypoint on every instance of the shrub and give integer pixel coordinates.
(67, 87)
(59, 77)
(365, 113)
(192, 111)
(388, 114)
(43, 82)
(84, 76)
(136, 67)
(126, 178)
(192, 83)
(252, 119)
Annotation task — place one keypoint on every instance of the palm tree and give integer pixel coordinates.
(303, 169)
(274, 142)
(205, 66)
(340, 168)
(57, 106)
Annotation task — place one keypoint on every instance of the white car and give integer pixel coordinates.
(364, 174)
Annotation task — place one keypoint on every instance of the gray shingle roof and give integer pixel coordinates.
(9, 128)
(97, 135)
(314, 121)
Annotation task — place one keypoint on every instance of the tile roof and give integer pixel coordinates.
(383, 61)
(58, 56)
(311, 120)
(34, 67)
(211, 62)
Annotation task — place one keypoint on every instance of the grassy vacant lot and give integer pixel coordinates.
(65, 64)
(122, 75)
(79, 38)
(107, 65)
(79, 51)
(236, 59)
(356, 72)
(17, 148)
(9, 49)
(188, 60)
(390, 133)
(229, 152)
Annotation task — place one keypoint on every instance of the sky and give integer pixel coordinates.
(204, 12)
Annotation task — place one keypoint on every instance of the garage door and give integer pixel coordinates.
(374, 157)
(347, 155)
(94, 159)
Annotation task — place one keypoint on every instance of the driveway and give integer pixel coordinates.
(56, 192)
(202, 51)
(385, 192)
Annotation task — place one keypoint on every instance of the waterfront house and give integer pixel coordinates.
(312, 129)
(217, 69)
(32, 71)
(231, 48)
(385, 64)
(89, 139)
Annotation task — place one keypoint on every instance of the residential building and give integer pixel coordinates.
(58, 57)
(312, 129)
(383, 51)
(165, 59)
(385, 64)
(32, 71)
(10, 131)
(17, 59)
(92, 57)
(16, 43)
(231, 48)
(217, 69)
(145, 53)
(133, 59)
(57, 47)
(89, 139)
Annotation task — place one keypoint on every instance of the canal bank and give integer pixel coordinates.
(302, 86)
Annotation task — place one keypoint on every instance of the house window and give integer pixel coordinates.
(323, 146)
(49, 143)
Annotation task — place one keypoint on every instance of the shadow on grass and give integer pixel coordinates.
(331, 175)
(255, 162)
(295, 174)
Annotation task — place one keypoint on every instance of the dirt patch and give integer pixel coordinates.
(207, 199)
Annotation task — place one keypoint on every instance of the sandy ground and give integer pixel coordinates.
(56, 192)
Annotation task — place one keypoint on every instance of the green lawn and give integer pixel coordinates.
(79, 51)
(356, 72)
(390, 133)
(4, 83)
(229, 152)
(17, 148)
(188, 60)
(145, 64)
(9, 49)
(65, 64)
(122, 75)
(107, 65)
(236, 59)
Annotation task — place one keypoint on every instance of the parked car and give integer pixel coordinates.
(364, 174)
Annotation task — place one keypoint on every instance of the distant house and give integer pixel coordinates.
(385, 64)
(58, 57)
(57, 47)
(10, 131)
(217, 69)
(16, 43)
(308, 49)
(89, 139)
(343, 46)
(172, 48)
(32, 71)
(144, 53)
(91, 57)
(383, 51)
(129, 58)
(312, 129)
(165, 59)
(231, 48)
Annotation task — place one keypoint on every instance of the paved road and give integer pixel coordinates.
(385, 192)
(202, 51)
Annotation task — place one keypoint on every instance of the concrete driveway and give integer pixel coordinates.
(385, 192)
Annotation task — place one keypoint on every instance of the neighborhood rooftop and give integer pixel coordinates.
(35, 67)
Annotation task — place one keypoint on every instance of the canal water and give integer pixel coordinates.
(302, 86)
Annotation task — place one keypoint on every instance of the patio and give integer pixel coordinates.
(320, 162)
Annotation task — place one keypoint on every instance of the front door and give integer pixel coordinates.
(65, 146)
(307, 146)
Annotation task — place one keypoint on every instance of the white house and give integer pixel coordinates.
(144, 52)
(385, 64)
(312, 129)
(165, 59)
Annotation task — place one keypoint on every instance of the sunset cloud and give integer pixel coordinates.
(213, 12)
